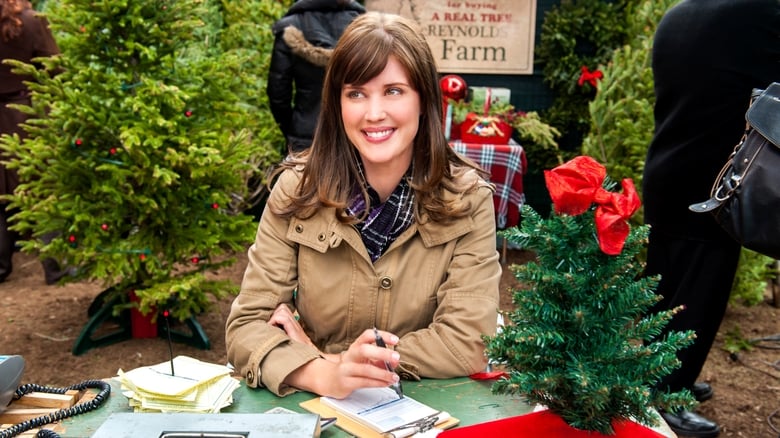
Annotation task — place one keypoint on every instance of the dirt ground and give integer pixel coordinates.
(42, 323)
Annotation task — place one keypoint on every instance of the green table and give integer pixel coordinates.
(468, 400)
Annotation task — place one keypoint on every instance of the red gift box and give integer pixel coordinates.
(485, 130)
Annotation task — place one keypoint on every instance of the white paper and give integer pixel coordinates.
(381, 409)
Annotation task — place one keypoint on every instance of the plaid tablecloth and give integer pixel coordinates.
(506, 164)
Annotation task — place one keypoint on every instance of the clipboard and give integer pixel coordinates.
(355, 428)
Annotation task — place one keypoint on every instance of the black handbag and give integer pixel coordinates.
(745, 197)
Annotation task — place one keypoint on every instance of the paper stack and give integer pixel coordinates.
(183, 384)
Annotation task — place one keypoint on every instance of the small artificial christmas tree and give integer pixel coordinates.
(137, 150)
(579, 341)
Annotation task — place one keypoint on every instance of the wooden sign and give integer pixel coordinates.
(473, 36)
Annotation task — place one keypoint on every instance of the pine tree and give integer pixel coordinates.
(138, 151)
(621, 113)
(579, 340)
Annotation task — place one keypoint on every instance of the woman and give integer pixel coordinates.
(378, 224)
(23, 36)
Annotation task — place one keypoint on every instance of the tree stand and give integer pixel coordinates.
(120, 327)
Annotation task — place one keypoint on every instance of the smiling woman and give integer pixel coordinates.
(381, 119)
(379, 224)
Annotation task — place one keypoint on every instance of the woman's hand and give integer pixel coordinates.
(285, 320)
(360, 366)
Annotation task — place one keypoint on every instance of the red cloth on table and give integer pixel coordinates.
(506, 164)
(544, 424)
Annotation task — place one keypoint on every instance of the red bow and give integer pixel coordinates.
(590, 77)
(576, 184)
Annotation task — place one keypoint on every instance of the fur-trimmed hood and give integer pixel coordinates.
(311, 28)
(294, 38)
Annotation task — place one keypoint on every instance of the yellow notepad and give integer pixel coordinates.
(369, 412)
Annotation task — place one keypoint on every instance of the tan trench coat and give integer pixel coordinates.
(436, 287)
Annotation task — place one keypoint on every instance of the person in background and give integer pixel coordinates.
(707, 57)
(379, 224)
(24, 35)
(303, 41)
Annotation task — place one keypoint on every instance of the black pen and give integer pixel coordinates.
(396, 386)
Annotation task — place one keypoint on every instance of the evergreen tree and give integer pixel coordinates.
(621, 113)
(580, 340)
(247, 34)
(138, 148)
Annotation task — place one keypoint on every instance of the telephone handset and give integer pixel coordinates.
(11, 369)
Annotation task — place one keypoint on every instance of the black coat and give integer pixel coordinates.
(707, 57)
(304, 38)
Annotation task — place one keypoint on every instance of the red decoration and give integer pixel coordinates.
(104, 227)
(188, 113)
(112, 151)
(545, 424)
(141, 326)
(453, 87)
(577, 184)
(590, 77)
(72, 238)
(78, 142)
(142, 257)
(215, 206)
(195, 260)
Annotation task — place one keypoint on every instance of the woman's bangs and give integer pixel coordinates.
(368, 61)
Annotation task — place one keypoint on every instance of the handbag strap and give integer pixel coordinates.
(763, 116)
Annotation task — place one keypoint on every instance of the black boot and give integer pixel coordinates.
(687, 423)
(52, 271)
(51, 268)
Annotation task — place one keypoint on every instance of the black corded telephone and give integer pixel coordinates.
(11, 369)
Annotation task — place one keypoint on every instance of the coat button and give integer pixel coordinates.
(321, 237)
(250, 376)
(386, 282)
(299, 228)
(406, 375)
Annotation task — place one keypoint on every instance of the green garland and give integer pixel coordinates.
(577, 34)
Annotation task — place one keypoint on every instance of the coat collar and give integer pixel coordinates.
(323, 230)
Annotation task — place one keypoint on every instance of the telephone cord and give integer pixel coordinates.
(105, 392)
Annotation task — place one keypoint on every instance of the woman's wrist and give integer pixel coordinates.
(313, 376)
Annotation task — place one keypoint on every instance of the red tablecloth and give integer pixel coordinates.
(506, 164)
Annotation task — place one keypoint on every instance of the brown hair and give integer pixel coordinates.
(11, 18)
(330, 173)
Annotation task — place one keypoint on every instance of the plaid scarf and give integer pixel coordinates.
(384, 222)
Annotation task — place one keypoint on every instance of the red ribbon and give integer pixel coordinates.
(590, 77)
(489, 375)
(577, 184)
